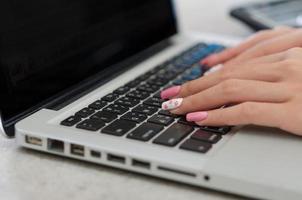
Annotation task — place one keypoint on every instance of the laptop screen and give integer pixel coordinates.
(43, 43)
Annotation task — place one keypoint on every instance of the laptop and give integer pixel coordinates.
(81, 79)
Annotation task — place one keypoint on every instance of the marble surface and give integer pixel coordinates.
(25, 174)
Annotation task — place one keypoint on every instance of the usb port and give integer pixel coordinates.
(116, 158)
(95, 154)
(141, 164)
(33, 140)
(76, 149)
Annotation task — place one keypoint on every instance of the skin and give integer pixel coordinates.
(261, 80)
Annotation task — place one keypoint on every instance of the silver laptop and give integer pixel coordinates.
(81, 79)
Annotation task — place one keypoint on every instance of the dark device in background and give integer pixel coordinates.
(264, 15)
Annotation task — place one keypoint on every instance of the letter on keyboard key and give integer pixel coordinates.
(221, 130)
(85, 112)
(119, 127)
(70, 121)
(145, 109)
(98, 104)
(206, 136)
(127, 101)
(91, 124)
(195, 145)
(161, 119)
(104, 116)
(173, 135)
(115, 108)
(135, 117)
(145, 132)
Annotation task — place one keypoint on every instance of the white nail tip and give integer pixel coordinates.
(172, 104)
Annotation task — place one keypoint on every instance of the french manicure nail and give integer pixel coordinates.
(172, 104)
(170, 92)
(196, 116)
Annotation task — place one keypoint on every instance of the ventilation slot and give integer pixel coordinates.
(176, 171)
(116, 158)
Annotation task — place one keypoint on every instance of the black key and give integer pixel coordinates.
(143, 77)
(195, 145)
(145, 109)
(154, 102)
(157, 95)
(161, 119)
(145, 132)
(173, 135)
(158, 81)
(91, 124)
(127, 101)
(148, 88)
(104, 116)
(70, 121)
(110, 97)
(183, 120)
(119, 127)
(122, 90)
(134, 83)
(221, 130)
(115, 108)
(135, 117)
(167, 113)
(206, 136)
(138, 94)
(98, 104)
(85, 112)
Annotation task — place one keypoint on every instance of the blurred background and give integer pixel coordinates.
(211, 16)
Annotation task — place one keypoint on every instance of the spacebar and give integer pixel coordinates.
(173, 135)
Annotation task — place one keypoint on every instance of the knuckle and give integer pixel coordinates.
(293, 51)
(189, 87)
(230, 87)
(248, 111)
(225, 73)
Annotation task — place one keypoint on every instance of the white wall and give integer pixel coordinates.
(210, 16)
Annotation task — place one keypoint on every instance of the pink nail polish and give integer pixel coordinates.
(204, 61)
(172, 104)
(196, 116)
(170, 92)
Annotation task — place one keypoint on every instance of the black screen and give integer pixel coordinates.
(44, 44)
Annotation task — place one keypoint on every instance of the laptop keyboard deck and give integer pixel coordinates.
(135, 110)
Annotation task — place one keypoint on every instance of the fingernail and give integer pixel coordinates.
(210, 59)
(214, 69)
(172, 104)
(170, 92)
(196, 116)
(204, 61)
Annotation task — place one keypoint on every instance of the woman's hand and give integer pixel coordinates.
(261, 44)
(265, 91)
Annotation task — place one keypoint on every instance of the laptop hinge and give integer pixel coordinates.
(2, 131)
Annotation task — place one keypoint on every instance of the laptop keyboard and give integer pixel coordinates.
(135, 110)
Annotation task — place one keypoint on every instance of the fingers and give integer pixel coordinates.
(263, 114)
(252, 41)
(226, 93)
(275, 45)
(245, 71)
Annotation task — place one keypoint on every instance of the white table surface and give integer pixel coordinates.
(25, 174)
